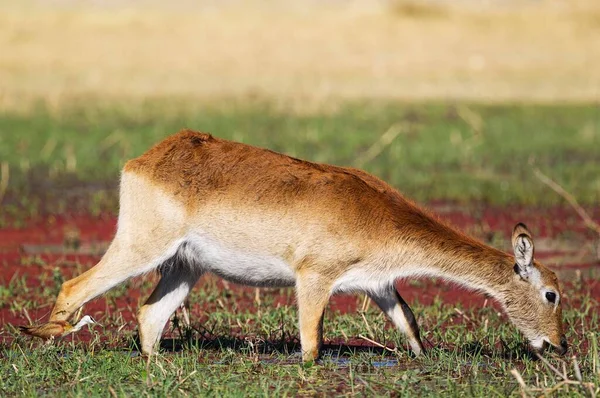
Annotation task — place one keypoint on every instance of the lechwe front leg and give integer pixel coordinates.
(312, 294)
(173, 287)
(392, 304)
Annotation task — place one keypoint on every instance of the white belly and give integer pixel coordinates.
(238, 265)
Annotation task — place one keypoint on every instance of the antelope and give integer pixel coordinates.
(196, 204)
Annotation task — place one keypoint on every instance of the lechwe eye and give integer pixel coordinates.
(551, 297)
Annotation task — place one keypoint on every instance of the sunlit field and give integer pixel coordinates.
(460, 107)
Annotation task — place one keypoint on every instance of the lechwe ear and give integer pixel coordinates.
(523, 246)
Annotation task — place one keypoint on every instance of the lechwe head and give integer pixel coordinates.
(534, 300)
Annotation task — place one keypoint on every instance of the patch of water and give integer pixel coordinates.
(346, 362)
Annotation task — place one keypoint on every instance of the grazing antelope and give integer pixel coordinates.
(194, 204)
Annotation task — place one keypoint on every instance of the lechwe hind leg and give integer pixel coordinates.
(150, 231)
(120, 263)
(391, 303)
(172, 289)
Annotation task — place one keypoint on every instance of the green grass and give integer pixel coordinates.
(450, 152)
(254, 352)
(70, 160)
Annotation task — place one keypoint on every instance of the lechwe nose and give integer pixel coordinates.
(564, 346)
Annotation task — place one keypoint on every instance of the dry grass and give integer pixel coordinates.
(541, 51)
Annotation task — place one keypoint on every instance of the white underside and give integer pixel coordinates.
(243, 266)
(237, 265)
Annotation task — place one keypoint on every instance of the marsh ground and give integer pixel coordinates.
(59, 213)
(453, 105)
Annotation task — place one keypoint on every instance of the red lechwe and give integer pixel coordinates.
(194, 204)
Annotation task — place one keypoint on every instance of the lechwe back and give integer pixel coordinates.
(195, 204)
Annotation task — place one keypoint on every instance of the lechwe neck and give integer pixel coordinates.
(427, 247)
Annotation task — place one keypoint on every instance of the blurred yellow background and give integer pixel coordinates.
(307, 52)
